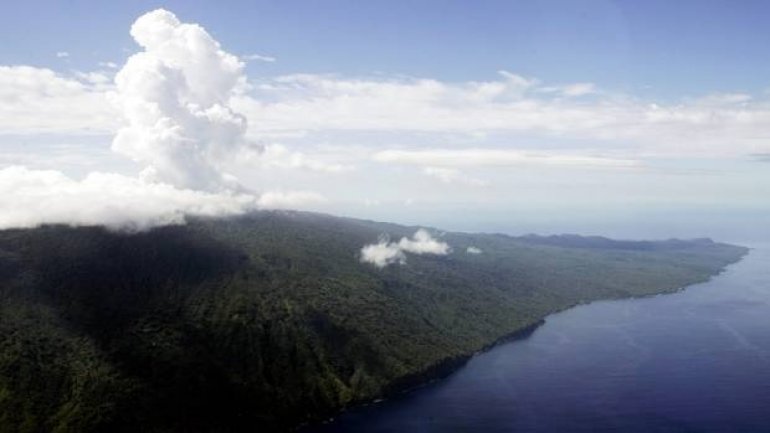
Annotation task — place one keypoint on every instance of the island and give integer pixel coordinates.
(271, 320)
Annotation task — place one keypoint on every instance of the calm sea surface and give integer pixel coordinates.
(694, 361)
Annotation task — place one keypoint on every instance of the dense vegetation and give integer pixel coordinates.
(266, 321)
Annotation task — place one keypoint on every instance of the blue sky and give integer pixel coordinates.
(417, 110)
(663, 48)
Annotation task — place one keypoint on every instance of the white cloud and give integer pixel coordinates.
(715, 125)
(279, 156)
(384, 252)
(290, 199)
(452, 176)
(579, 89)
(573, 90)
(724, 99)
(473, 250)
(62, 54)
(259, 57)
(34, 197)
(95, 78)
(175, 96)
(108, 65)
(423, 243)
(495, 157)
(37, 100)
(186, 102)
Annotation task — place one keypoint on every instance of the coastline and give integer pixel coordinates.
(432, 374)
(449, 365)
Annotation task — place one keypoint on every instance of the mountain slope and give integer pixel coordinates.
(269, 320)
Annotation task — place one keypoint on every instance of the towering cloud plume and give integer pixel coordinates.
(385, 253)
(175, 97)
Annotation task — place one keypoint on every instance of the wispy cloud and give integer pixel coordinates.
(279, 156)
(259, 57)
(108, 65)
(452, 176)
(97, 79)
(496, 157)
(579, 89)
(713, 125)
(38, 100)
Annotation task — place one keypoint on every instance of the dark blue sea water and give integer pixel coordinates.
(693, 361)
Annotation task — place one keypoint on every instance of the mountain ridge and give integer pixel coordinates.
(269, 320)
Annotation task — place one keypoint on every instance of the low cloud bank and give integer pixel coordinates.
(289, 199)
(384, 253)
(34, 197)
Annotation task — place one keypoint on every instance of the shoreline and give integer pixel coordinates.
(449, 365)
(432, 374)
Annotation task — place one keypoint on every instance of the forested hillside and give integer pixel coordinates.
(269, 320)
